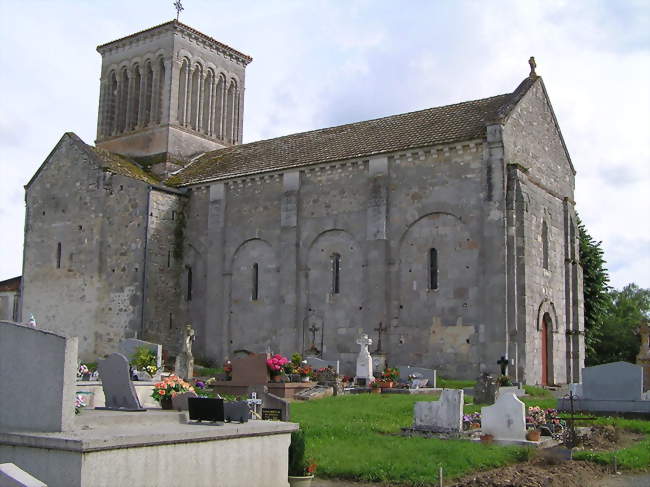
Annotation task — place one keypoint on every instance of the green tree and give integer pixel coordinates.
(596, 290)
(627, 309)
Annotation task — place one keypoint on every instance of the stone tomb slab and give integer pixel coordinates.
(505, 419)
(47, 361)
(406, 370)
(179, 401)
(119, 392)
(442, 416)
(250, 370)
(618, 381)
(318, 363)
(129, 346)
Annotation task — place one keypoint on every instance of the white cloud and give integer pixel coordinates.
(320, 63)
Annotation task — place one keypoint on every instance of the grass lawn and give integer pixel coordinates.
(356, 437)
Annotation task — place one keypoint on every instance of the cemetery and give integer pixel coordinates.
(131, 408)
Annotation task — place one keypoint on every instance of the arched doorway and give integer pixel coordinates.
(547, 350)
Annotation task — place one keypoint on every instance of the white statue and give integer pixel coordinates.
(188, 338)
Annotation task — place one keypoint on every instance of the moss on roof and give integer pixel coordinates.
(118, 164)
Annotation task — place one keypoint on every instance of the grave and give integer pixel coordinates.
(406, 370)
(442, 416)
(13, 476)
(250, 372)
(179, 401)
(96, 447)
(35, 356)
(184, 365)
(318, 363)
(616, 387)
(485, 389)
(364, 375)
(505, 420)
(129, 346)
(119, 392)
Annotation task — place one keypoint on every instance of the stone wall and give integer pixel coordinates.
(93, 289)
(542, 185)
(381, 216)
(166, 274)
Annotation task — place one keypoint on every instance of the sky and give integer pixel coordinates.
(322, 63)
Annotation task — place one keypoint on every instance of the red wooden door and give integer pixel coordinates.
(544, 352)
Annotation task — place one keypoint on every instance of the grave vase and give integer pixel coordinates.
(166, 403)
(533, 435)
(300, 481)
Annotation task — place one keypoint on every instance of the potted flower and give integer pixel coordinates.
(389, 376)
(83, 372)
(227, 369)
(536, 417)
(301, 470)
(304, 371)
(166, 389)
(375, 387)
(276, 364)
(533, 434)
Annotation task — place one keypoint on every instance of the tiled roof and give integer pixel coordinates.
(118, 164)
(446, 124)
(180, 26)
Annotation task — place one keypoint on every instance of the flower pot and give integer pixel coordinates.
(387, 385)
(487, 439)
(300, 481)
(276, 378)
(375, 390)
(166, 403)
(533, 435)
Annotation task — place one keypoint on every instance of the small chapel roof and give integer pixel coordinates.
(433, 126)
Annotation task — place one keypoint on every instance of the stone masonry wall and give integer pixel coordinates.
(98, 218)
(381, 216)
(545, 182)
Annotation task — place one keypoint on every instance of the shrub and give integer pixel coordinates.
(299, 466)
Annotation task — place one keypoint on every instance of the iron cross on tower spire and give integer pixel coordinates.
(179, 8)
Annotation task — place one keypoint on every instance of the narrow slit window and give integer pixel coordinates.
(255, 274)
(58, 255)
(336, 273)
(545, 245)
(169, 259)
(433, 269)
(171, 321)
(189, 284)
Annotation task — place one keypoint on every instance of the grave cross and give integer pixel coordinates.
(379, 331)
(179, 8)
(503, 362)
(313, 329)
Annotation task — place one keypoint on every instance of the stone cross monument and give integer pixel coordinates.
(184, 366)
(364, 362)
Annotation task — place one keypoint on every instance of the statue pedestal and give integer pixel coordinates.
(184, 365)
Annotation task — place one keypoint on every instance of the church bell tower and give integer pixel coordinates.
(169, 93)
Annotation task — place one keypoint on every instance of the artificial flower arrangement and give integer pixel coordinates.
(82, 370)
(472, 421)
(304, 370)
(79, 403)
(276, 364)
(145, 359)
(227, 368)
(390, 374)
(169, 387)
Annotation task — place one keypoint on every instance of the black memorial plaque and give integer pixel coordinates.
(272, 414)
(205, 409)
(236, 411)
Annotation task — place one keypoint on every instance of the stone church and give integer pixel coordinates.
(448, 235)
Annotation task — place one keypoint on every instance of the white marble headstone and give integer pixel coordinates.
(505, 419)
(364, 360)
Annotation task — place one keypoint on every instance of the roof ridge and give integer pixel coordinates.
(323, 129)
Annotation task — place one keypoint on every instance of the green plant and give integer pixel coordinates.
(299, 466)
(504, 381)
(145, 359)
